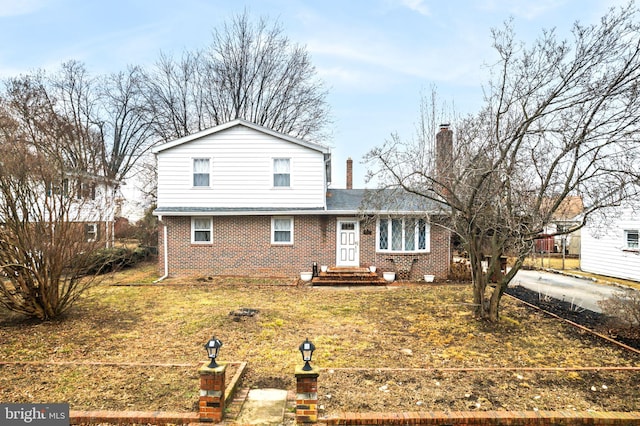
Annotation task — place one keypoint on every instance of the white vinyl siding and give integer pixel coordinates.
(201, 172)
(282, 230)
(607, 248)
(241, 172)
(403, 234)
(201, 230)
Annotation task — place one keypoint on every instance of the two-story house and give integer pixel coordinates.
(240, 199)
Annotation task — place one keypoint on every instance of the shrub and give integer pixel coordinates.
(113, 259)
(623, 308)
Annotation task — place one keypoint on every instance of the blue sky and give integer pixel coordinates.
(375, 56)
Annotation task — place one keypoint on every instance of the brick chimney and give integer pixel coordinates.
(349, 173)
(444, 157)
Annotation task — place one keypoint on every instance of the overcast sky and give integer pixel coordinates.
(375, 56)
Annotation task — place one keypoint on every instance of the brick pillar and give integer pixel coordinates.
(212, 387)
(306, 396)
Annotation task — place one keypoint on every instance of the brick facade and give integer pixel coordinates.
(241, 246)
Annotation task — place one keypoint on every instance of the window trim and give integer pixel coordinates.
(416, 237)
(94, 231)
(194, 230)
(273, 173)
(273, 230)
(193, 172)
(627, 247)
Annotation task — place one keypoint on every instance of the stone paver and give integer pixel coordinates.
(263, 407)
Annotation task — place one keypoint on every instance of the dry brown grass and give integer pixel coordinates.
(421, 327)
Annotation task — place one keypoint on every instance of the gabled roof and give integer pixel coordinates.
(239, 122)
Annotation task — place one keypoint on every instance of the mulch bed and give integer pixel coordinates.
(596, 321)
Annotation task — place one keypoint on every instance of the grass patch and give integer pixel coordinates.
(402, 327)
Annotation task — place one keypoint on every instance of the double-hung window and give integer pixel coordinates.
(631, 239)
(201, 230)
(91, 232)
(282, 172)
(282, 230)
(404, 234)
(201, 172)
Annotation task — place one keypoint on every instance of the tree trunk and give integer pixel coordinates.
(494, 301)
(479, 280)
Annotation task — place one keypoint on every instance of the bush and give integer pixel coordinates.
(623, 308)
(114, 259)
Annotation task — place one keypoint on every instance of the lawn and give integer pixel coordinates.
(383, 349)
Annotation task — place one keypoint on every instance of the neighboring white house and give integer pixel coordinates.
(611, 247)
(86, 200)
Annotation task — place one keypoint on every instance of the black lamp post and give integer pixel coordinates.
(212, 347)
(306, 349)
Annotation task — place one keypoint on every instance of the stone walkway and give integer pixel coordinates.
(261, 407)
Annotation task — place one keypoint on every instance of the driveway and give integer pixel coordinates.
(579, 291)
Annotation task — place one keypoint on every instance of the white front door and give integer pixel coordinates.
(348, 245)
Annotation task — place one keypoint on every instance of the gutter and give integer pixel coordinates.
(166, 253)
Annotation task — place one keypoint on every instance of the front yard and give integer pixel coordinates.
(381, 349)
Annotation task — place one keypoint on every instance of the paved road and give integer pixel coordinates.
(581, 292)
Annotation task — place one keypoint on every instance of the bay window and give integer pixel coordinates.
(403, 234)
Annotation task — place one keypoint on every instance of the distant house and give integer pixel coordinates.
(85, 200)
(611, 246)
(567, 216)
(240, 199)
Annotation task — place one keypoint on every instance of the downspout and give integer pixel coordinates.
(166, 253)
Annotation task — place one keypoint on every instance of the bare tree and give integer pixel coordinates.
(175, 92)
(561, 119)
(250, 71)
(125, 122)
(46, 204)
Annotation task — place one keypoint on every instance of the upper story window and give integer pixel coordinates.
(282, 230)
(403, 235)
(631, 239)
(282, 172)
(85, 190)
(201, 230)
(201, 172)
(61, 188)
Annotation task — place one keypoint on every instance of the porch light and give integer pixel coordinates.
(306, 349)
(212, 347)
